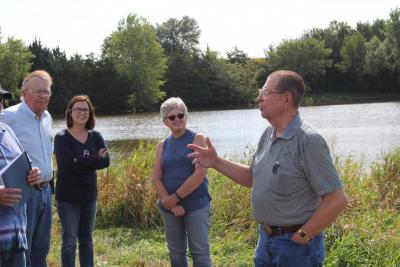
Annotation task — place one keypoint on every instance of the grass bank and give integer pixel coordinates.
(346, 98)
(129, 229)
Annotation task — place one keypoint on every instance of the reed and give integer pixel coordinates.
(129, 228)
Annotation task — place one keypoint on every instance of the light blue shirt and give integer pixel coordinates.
(34, 134)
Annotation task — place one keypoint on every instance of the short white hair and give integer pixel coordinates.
(170, 104)
(37, 74)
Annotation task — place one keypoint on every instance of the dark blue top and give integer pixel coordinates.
(177, 167)
(77, 164)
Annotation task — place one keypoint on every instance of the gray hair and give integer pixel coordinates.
(38, 74)
(170, 104)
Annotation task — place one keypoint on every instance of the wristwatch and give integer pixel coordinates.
(304, 235)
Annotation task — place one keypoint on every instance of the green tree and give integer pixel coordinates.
(307, 56)
(333, 36)
(15, 62)
(179, 35)
(353, 54)
(237, 56)
(393, 38)
(139, 58)
(377, 28)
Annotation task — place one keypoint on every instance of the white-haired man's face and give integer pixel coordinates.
(37, 94)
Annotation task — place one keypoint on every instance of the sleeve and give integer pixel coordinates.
(94, 161)
(7, 117)
(65, 157)
(318, 165)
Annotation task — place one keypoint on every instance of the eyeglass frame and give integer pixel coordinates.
(38, 92)
(264, 93)
(79, 110)
(179, 116)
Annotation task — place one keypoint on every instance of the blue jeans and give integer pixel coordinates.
(77, 223)
(13, 258)
(192, 227)
(280, 251)
(38, 230)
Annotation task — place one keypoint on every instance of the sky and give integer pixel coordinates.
(80, 26)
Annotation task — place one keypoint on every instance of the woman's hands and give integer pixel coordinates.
(171, 204)
(178, 210)
(102, 153)
(170, 201)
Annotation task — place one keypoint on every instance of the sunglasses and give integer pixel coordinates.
(179, 116)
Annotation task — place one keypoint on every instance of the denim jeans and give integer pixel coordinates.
(77, 223)
(13, 258)
(38, 230)
(192, 227)
(280, 251)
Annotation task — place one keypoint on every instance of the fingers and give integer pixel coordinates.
(34, 176)
(10, 196)
(178, 211)
(208, 143)
(194, 147)
(193, 154)
(102, 152)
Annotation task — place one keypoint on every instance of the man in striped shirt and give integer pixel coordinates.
(12, 223)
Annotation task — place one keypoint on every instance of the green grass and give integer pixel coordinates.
(129, 229)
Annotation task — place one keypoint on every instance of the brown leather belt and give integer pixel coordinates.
(280, 230)
(41, 185)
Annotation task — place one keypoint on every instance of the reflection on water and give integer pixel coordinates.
(361, 130)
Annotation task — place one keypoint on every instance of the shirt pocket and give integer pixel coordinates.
(282, 181)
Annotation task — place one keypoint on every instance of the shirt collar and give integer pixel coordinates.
(292, 128)
(28, 110)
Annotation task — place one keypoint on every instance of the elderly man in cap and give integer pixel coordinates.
(296, 189)
(32, 123)
(3, 95)
(12, 223)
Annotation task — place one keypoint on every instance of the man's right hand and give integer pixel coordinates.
(203, 157)
(34, 176)
(9, 196)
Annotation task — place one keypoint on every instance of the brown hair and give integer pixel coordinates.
(92, 118)
(290, 81)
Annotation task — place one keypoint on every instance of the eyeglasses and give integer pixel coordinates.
(81, 110)
(43, 92)
(179, 116)
(264, 93)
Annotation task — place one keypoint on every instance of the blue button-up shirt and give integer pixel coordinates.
(12, 223)
(34, 134)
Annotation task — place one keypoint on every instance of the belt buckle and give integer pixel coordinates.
(267, 229)
(41, 185)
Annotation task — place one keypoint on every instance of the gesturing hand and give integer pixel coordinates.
(9, 196)
(203, 157)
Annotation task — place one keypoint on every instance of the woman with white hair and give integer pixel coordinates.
(182, 189)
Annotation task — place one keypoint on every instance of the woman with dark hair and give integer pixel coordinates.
(80, 151)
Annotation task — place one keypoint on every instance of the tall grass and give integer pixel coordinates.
(126, 195)
(366, 234)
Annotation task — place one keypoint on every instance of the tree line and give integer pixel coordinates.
(141, 64)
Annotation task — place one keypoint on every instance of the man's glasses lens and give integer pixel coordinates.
(179, 116)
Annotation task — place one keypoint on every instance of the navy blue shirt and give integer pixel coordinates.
(77, 164)
(177, 167)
